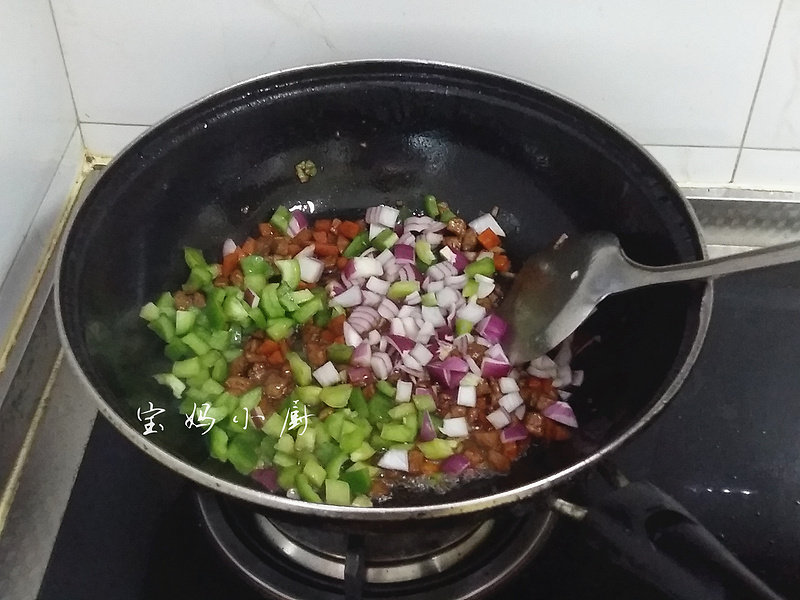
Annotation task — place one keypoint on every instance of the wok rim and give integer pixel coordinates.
(485, 503)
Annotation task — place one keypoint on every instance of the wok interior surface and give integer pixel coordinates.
(379, 132)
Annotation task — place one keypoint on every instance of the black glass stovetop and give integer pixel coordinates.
(727, 447)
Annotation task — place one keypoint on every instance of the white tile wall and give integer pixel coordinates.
(681, 73)
(696, 165)
(769, 169)
(37, 120)
(103, 139)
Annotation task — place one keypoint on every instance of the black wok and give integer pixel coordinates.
(382, 132)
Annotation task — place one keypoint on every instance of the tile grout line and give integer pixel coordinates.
(116, 124)
(755, 92)
(66, 73)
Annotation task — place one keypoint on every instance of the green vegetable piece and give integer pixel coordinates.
(397, 432)
(278, 329)
(258, 318)
(334, 467)
(379, 406)
(386, 388)
(269, 301)
(484, 266)
(304, 442)
(290, 272)
(166, 304)
(255, 282)
(302, 296)
(357, 246)
(216, 316)
(266, 449)
(402, 410)
(314, 472)
(326, 451)
(309, 394)
(218, 443)
(301, 371)
(242, 454)
(445, 214)
(412, 422)
(286, 476)
(172, 382)
(250, 399)
(423, 251)
(194, 342)
(177, 350)
(273, 426)
(358, 402)
(199, 277)
(429, 204)
(358, 480)
(351, 440)
(340, 353)
(400, 289)
(212, 387)
(149, 312)
(285, 444)
(429, 299)
(436, 449)
(336, 396)
(219, 339)
(363, 452)
(424, 402)
(255, 265)
(361, 501)
(219, 370)
(463, 326)
(470, 289)
(235, 310)
(305, 490)
(280, 219)
(187, 368)
(384, 240)
(322, 318)
(164, 327)
(337, 492)
(285, 298)
(307, 310)
(333, 424)
(194, 258)
(228, 403)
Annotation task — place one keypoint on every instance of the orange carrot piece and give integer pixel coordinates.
(326, 250)
(249, 246)
(489, 239)
(501, 262)
(349, 229)
(268, 347)
(322, 225)
(276, 358)
(230, 261)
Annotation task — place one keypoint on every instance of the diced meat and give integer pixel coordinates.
(469, 241)
(457, 226)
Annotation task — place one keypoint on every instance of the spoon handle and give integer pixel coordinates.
(714, 267)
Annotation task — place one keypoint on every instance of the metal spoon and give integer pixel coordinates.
(557, 289)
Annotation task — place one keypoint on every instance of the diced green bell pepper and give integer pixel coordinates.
(357, 245)
(384, 240)
(314, 472)
(402, 410)
(164, 327)
(337, 492)
(172, 382)
(242, 453)
(386, 388)
(149, 312)
(187, 368)
(470, 289)
(340, 353)
(280, 219)
(429, 204)
(397, 432)
(218, 443)
(363, 452)
(436, 449)
(255, 265)
(358, 480)
(484, 266)
(463, 326)
(379, 406)
(309, 394)
(286, 476)
(269, 301)
(334, 466)
(301, 371)
(305, 490)
(279, 329)
(423, 251)
(358, 402)
(290, 272)
(424, 402)
(307, 310)
(336, 396)
(400, 289)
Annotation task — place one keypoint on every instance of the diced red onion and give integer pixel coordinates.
(266, 477)
(364, 318)
(520, 412)
(310, 268)
(396, 326)
(387, 309)
(485, 222)
(471, 312)
(455, 464)
(492, 327)
(496, 351)
(577, 378)
(251, 298)
(410, 362)
(385, 257)
(510, 401)
(400, 342)
(498, 418)
(327, 374)
(491, 367)
(432, 315)
(561, 412)
(228, 247)
(351, 337)
(466, 396)
(362, 355)
(434, 239)
(427, 431)
(417, 223)
(375, 229)
(407, 239)
(404, 389)
(348, 298)
(514, 433)
(456, 427)
(485, 285)
(433, 286)
(508, 385)
(564, 395)
(383, 344)
(371, 298)
(461, 342)
(455, 363)
(418, 373)
(334, 288)
(421, 354)
(413, 299)
(447, 298)
(543, 367)
(297, 223)
(382, 215)
(379, 286)
(373, 337)
(426, 332)
(394, 459)
(563, 377)
(381, 364)
(473, 366)
(307, 251)
(411, 327)
(403, 254)
(460, 262)
(367, 267)
(358, 374)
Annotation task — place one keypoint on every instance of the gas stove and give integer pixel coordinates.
(725, 448)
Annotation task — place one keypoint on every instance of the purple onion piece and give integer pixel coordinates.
(454, 464)
(266, 477)
(514, 433)
(561, 412)
(427, 431)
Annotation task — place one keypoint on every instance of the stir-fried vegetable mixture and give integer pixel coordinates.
(336, 358)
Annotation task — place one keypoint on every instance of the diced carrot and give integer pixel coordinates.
(336, 325)
(501, 262)
(321, 237)
(335, 225)
(328, 261)
(265, 229)
(249, 246)
(326, 250)
(229, 262)
(293, 249)
(284, 347)
(342, 243)
(349, 229)
(268, 347)
(488, 239)
(276, 358)
(303, 237)
(341, 262)
(303, 285)
(339, 339)
(534, 383)
(322, 225)
(429, 467)
(326, 336)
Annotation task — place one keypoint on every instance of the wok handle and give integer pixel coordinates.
(650, 534)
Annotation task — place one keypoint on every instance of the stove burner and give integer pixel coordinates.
(287, 562)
